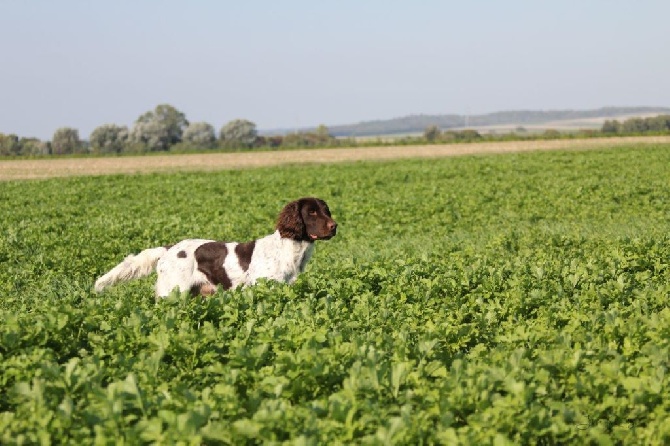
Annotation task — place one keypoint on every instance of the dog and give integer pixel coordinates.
(199, 266)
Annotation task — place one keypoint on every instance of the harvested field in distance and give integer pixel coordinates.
(61, 167)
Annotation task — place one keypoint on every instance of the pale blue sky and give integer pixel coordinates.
(302, 63)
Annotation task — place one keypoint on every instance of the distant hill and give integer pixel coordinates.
(418, 123)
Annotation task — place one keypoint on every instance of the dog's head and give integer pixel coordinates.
(306, 219)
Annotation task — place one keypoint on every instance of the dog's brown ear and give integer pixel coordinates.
(289, 223)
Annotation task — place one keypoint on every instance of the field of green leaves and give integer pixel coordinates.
(506, 299)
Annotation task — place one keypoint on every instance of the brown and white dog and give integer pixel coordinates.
(199, 266)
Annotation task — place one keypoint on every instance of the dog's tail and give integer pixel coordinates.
(132, 267)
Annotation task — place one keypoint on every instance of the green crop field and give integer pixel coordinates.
(500, 299)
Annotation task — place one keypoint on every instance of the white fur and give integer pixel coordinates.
(132, 267)
(274, 258)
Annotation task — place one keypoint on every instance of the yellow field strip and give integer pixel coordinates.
(61, 167)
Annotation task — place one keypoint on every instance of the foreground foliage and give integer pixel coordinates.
(480, 300)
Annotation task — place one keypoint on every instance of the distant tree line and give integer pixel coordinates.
(163, 129)
(632, 126)
(655, 124)
(417, 123)
(434, 134)
(166, 129)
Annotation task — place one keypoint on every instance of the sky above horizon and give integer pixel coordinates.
(295, 64)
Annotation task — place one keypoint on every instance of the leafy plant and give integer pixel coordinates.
(476, 300)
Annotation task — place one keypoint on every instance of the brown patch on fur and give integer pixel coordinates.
(210, 257)
(244, 251)
(181, 254)
(289, 222)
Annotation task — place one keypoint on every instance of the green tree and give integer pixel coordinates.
(66, 140)
(432, 133)
(9, 145)
(33, 146)
(238, 133)
(613, 126)
(634, 125)
(160, 128)
(323, 133)
(551, 134)
(149, 135)
(321, 137)
(469, 135)
(660, 123)
(200, 134)
(109, 138)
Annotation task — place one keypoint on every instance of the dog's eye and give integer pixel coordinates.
(312, 212)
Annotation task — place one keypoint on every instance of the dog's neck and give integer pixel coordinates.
(299, 251)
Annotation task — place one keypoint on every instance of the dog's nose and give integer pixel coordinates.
(332, 225)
